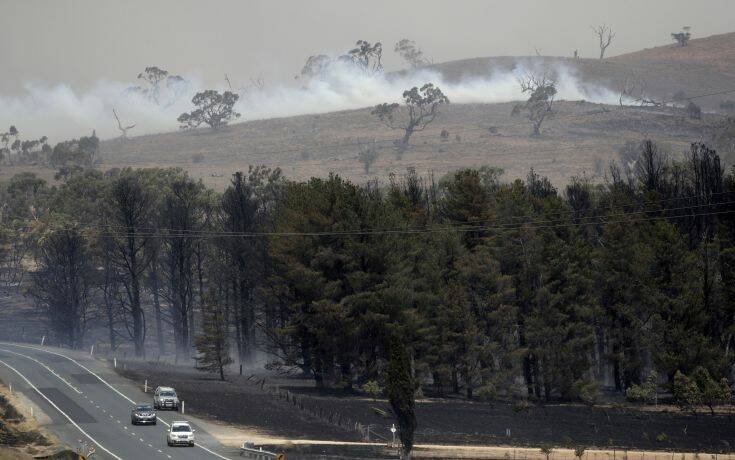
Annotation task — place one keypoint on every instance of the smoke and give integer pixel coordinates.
(62, 113)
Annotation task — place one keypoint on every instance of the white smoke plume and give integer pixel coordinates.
(61, 113)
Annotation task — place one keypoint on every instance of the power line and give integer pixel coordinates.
(437, 229)
(170, 232)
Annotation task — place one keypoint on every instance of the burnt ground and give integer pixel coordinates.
(440, 421)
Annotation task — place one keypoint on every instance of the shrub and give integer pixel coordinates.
(372, 388)
(585, 391)
(644, 393)
(521, 405)
(686, 392)
(444, 135)
(487, 392)
(662, 437)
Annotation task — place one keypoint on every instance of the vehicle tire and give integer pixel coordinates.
(168, 442)
(154, 422)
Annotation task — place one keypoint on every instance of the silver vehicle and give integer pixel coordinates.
(165, 398)
(142, 414)
(180, 433)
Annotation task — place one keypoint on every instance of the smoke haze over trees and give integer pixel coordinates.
(495, 289)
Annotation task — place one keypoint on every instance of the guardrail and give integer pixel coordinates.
(249, 451)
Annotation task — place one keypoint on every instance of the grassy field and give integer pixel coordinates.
(577, 140)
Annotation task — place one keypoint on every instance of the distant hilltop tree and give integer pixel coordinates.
(212, 108)
(421, 108)
(411, 53)
(682, 38)
(14, 149)
(157, 79)
(542, 90)
(316, 66)
(605, 35)
(367, 56)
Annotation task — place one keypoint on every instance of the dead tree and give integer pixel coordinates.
(606, 36)
(123, 131)
(632, 89)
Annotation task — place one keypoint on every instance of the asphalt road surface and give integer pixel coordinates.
(81, 401)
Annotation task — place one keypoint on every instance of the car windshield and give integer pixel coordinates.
(144, 407)
(168, 393)
(180, 428)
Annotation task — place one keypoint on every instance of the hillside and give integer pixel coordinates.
(706, 65)
(579, 138)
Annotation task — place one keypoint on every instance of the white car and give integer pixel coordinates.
(165, 398)
(180, 433)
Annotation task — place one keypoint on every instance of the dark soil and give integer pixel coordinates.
(443, 421)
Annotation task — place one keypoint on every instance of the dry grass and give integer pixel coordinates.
(575, 141)
(21, 433)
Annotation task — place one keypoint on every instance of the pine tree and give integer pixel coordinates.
(401, 388)
(213, 344)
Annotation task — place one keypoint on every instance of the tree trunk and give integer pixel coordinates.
(137, 312)
(157, 310)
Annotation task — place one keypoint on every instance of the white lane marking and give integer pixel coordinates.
(45, 367)
(78, 364)
(58, 409)
(112, 388)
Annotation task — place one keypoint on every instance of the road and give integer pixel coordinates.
(80, 399)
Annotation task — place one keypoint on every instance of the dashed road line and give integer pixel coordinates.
(112, 388)
(53, 372)
(58, 409)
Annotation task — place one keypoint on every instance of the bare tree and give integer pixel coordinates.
(542, 90)
(421, 108)
(123, 131)
(606, 36)
(632, 89)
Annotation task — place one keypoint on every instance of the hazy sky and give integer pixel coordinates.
(79, 42)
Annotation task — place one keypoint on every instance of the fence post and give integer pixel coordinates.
(182, 407)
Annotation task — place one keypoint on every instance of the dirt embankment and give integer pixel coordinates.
(20, 435)
(441, 421)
